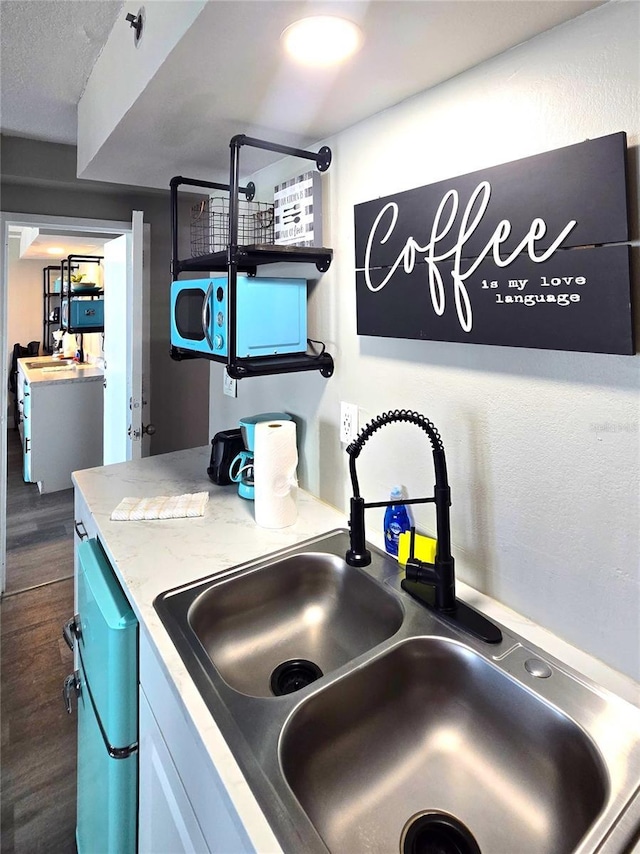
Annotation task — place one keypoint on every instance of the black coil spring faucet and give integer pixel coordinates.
(431, 584)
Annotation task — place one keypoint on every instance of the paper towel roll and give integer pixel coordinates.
(275, 483)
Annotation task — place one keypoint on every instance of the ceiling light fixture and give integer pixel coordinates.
(322, 40)
(55, 250)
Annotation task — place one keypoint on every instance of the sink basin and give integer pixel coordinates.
(304, 610)
(432, 729)
(53, 369)
(418, 737)
(47, 363)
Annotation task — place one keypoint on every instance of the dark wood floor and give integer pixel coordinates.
(39, 528)
(38, 736)
(38, 742)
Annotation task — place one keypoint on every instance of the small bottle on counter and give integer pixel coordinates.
(396, 521)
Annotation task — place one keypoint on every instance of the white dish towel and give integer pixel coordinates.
(161, 507)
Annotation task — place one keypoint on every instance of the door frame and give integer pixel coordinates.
(9, 219)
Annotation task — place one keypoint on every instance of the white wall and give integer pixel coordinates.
(542, 446)
(25, 301)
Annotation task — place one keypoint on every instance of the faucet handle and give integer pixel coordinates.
(419, 570)
(416, 569)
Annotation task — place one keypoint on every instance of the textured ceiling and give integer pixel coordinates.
(47, 51)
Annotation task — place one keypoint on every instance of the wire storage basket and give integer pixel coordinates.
(210, 225)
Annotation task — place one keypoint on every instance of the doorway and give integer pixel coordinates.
(123, 231)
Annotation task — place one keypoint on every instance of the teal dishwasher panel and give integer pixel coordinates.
(108, 644)
(107, 709)
(107, 797)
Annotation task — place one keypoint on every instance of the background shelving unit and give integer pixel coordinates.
(246, 258)
(51, 299)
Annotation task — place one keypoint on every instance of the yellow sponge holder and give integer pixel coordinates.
(424, 548)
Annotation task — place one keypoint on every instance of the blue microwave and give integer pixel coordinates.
(271, 316)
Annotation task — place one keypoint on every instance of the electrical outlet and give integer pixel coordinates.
(348, 422)
(229, 385)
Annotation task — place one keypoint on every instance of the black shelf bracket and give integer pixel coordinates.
(321, 158)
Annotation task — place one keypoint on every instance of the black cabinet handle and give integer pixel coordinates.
(71, 631)
(82, 534)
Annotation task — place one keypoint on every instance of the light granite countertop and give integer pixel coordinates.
(153, 556)
(45, 370)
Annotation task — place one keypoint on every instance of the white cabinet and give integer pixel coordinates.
(166, 820)
(61, 428)
(85, 528)
(84, 523)
(176, 770)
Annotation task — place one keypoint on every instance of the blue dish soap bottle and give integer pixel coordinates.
(396, 521)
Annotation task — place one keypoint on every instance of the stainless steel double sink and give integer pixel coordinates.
(364, 723)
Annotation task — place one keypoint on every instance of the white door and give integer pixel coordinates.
(126, 345)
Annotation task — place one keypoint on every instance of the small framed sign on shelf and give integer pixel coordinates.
(297, 205)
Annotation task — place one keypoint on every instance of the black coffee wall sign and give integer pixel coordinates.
(519, 255)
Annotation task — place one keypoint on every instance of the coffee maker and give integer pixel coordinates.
(241, 468)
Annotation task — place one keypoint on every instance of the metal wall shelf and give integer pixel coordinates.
(261, 366)
(69, 294)
(249, 258)
(238, 258)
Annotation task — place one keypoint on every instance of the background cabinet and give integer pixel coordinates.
(24, 406)
(20, 384)
(61, 429)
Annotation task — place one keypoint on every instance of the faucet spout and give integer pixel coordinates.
(358, 555)
(438, 577)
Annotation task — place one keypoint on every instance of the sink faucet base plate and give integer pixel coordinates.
(463, 616)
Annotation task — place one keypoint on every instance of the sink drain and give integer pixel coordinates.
(437, 833)
(293, 675)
